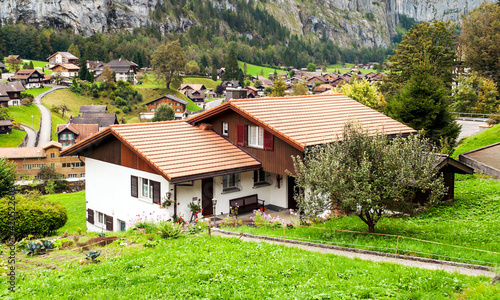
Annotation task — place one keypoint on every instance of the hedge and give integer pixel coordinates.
(35, 216)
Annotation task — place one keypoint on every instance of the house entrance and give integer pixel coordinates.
(207, 194)
(292, 204)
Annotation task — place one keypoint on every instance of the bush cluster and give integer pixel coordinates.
(34, 216)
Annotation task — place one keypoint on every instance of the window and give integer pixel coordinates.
(25, 167)
(259, 176)
(146, 188)
(122, 225)
(72, 176)
(225, 128)
(33, 166)
(100, 218)
(255, 136)
(230, 183)
(82, 175)
(178, 109)
(52, 155)
(52, 165)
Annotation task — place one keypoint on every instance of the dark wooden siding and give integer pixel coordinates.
(108, 151)
(131, 160)
(276, 161)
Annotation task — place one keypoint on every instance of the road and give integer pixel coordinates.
(46, 122)
(469, 128)
(370, 257)
(31, 136)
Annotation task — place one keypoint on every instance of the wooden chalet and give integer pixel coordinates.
(5, 126)
(69, 134)
(29, 78)
(60, 58)
(10, 93)
(177, 104)
(67, 71)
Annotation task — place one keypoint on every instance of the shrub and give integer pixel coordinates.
(34, 216)
(169, 230)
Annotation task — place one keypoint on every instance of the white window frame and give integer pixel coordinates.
(227, 187)
(100, 218)
(146, 188)
(256, 136)
(225, 128)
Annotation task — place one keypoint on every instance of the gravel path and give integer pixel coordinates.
(31, 136)
(371, 257)
(469, 128)
(46, 122)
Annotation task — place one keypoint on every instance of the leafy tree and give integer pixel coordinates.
(90, 76)
(7, 176)
(299, 88)
(480, 41)
(245, 69)
(204, 63)
(231, 64)
(108, 78)
(367, 174)
(4, 113)
(31, 66)
(63, 108)
(192, 67)
(428, 47)
(14, 64)
(257, 83)
(82, 73)
(57, 77)
(311, 67)
(73, 49)
(214, 73)
(261, 72)
(423, 105)
(47, 173)
(363, 92)
(169, 61)
(219, 90)
(163, 113)
(476, 94)
(279, 87)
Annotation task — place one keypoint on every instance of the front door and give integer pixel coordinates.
(207, 194)
(292, 203)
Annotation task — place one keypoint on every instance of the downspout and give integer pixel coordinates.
(175, 193)
(81, 160)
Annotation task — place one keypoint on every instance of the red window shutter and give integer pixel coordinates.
(268, 141)
(240, 135)
(109, 223)
(90, 216)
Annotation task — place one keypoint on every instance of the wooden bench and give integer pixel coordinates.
(247, 203)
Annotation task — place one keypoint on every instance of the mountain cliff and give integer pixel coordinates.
(346, 22)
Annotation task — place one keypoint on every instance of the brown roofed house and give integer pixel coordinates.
(69, 134)
(10, 93)
(29, 78)
(5, 126)
(67, 71)
(102, 119)
(125, 70)
(93, 109)
(60, 58)
(177, 104)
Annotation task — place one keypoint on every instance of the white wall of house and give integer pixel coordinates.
(14, 102)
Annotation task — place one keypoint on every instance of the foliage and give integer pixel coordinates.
(192, 67)
(32, 248)
(35, 215)
(423, 105)
(232, 69)
(163, 113)
(219, 90)
(7, 176)
(194, 207)
(50, 187)
(480, 41)
(108, 77)
(363, 92)
(311, 67)
(193, 267)
(298, 88)
(278, 88)
(170, 230)
(14, 64)
(476, 94)
(427, 47)
(168, 62)
(47, 244)
(368, 175)
(48, 173)
(4, 113)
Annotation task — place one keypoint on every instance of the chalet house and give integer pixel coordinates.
(265, 81)
(194, 87)
(197, 96)
(29, 78)
(67, 71)
(60, 58)
(5, 126)
(125, 70)
(177, 104)
(331, 76)
(30, 160)
(103, 120)
(237, 152)
(13, 56)
(231, 83)
(10, 93)
(3, 67)
(322, 88)
(252, 92)
(69, 134)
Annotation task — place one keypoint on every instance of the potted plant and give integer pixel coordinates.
(166, 203)
(194, 207)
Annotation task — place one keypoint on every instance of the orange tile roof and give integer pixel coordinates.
(305, 121)
(22, 152)
(82, 131)
(176, 149)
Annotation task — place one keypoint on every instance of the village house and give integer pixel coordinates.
(69, 134)
(3, 67)
(30, 160)
(60, 58)
(125, 70)
(92, 109)
(103, 120)
(177, 104)
(29, 78)
(322, 88)
(193, 87)
(66, 71)
(10, 93)
(198, 97)
(238, 153)
(5, 126)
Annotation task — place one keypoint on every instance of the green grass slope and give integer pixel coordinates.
(484, 138)
(228, 268)
(13, 139)
(255, 70)
(22, 114)
(36, 92)
(76, 210)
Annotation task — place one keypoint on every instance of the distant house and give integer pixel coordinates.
(315, 79)
(30, 160)
(69, 134)
(125, 70)
(198, 97)
(10, 93)
(322, 88)
(13, 56)
(93, 109)
(231, 83)
(3, 67)
(60, 58)
(67, 71)
(196, 87)
(252, 92)
(102, 119)
(331, 76)
(5, 126)
(29, 78)
(177, 104)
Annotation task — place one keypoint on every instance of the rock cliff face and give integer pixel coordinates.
(346, 22)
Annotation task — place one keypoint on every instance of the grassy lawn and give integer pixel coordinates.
(22, 114)
(470, 221)
(13, 139)
(227, 268)
(75, 206)
(151, 93)
(38, 65)
(338, 67)
(254, 70)
(36, 92)
(209, 83)
(56, 119)
(484, 138)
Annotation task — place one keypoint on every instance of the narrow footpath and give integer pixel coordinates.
(46, 120)
(31, 136)
(371, 257)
